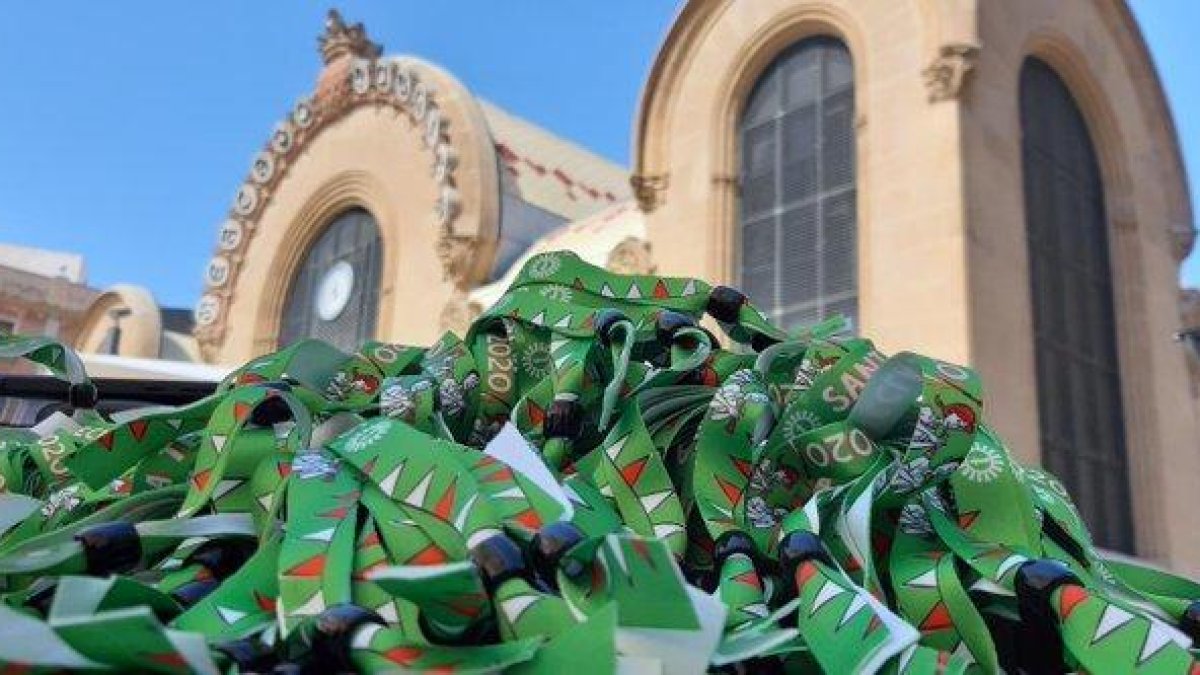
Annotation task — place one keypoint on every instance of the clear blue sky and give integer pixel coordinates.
(126, 128)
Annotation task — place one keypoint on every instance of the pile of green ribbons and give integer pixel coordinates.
(587, 480)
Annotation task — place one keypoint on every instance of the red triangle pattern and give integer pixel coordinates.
(633, 471)
(170, 659)
(106, 441)
(404, 656)
(265, 603)
(872, 625)
(536, 413)
(240, 411)
(1069, 598)
(469, 606)
(138, 429)
(335, 514)
(749, 579)
(642, 549)
(660, 290)
(743, 467)
(200, 480)
(732, 492)
(312, 567)
(937, 619)
(804, 572)
(966, 520)
(530, 519)
(445, 503)
(503, 475)
(430, 555)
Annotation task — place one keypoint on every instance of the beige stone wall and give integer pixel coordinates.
(1095, 48)
(374, 151)
(911, 230)
(941, 224)
(141, 328)
(358, 161)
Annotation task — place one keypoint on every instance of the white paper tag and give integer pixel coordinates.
(510, 447)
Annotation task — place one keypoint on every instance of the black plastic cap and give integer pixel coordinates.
(249, 655)
(605, 320)
(760, 342)
(730, 543)
(563, 420)
(725, 303)
(800, 547)
(194, 591)
(110, 548)
(669, 323)
(222, 557)
(332, 632)
(83, 395)
(548, 548)
(1036, 580)
(1190, 621)
(498, 559)
(271, 410)
(1038, 633)
(40, 595)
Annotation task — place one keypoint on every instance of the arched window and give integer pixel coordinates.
(334, 295)
(798, 243)
(1078, 378)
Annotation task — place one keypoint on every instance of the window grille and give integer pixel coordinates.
(352, 237)
(798, 248)
(1078, 377)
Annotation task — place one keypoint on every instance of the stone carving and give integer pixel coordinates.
(366, 79)
(949, 72)
(458, 313)
(341, 40)
(631, 256)
(1183, 237)
(648, 189)
(455, 253)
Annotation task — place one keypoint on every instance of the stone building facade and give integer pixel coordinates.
(949, 215)
(996, 183)
(42, 292)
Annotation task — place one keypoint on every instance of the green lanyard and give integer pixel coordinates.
(586, 479)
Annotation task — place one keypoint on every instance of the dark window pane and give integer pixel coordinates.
(347, 318)
(798, 211)
(1079, 387)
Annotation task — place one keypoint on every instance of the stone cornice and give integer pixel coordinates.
(389, 82)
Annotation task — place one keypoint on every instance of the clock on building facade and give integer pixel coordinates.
(334, 294)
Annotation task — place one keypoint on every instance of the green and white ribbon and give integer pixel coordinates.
(795, 502)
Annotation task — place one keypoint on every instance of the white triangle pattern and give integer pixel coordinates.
(388, 484)
(417, 496)
(224, 487)
(320, 535)
(1158, 638)
(230, 616)
(926, 580)
(856, 604)
(314, 606)
(654, 499)
(663, 530)
(513, 607)
(1113, 618)
(828, 592)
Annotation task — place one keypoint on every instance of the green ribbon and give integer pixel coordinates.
(313, 480)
